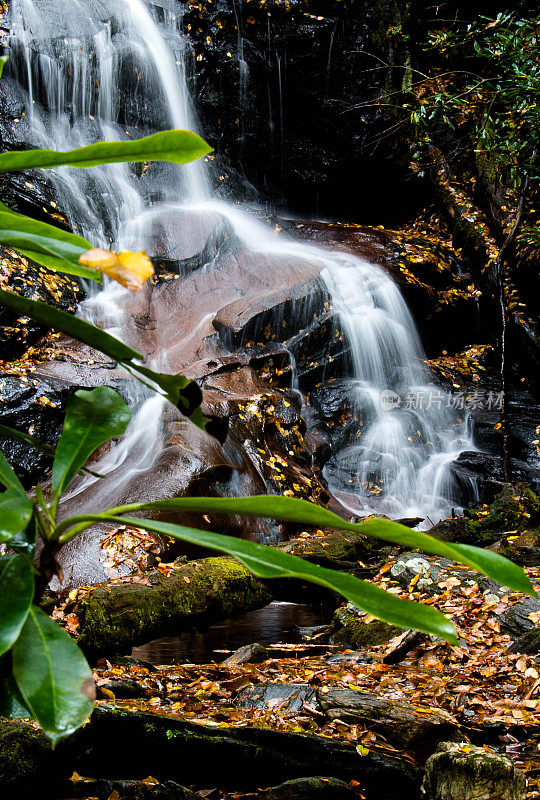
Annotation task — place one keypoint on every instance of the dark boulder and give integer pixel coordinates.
(515, 621)
(33, 407)
(27, 761)
(27, 279)
(248, 654)
(413, 727)
(277, 696)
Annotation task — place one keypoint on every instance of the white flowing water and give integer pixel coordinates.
(109, 69)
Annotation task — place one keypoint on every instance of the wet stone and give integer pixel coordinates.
(515, 621)
(461, 772)
(282, 696)
(350, 658)
(254, 653)
(404, 724)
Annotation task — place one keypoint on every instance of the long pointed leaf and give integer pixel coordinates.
(11, 702)
(177, 146)
(291, 509)
(8, 477)
(45, 244)
(181, 392)
(16, 592)
(268, 562)
(92, 418)
(13, 221)
(16, 510)
(52, 675)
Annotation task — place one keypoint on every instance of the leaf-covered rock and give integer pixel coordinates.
(461, 772)
(411, 726)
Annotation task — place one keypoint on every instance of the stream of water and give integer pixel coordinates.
(109, 69)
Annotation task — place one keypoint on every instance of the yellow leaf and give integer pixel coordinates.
(129, 269)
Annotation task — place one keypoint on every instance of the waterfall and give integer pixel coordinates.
(410, 433)
(110, 69)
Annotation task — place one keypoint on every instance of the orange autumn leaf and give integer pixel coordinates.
(130, 269)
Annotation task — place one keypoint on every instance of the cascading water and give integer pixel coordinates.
(109, 69)
(410, 434)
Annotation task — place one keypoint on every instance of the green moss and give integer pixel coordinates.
(26, 757)
(350, 630)
(116, 616)
(515, 509)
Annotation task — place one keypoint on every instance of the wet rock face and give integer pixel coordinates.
(33, 407)
(462, 772)
(283, 93)
(19, 275)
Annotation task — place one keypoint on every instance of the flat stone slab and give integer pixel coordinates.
(282, 696)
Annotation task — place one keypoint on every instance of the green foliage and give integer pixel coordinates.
(179, 147)
(45, 675)
(181, 392)
(15, 513)
(495, 99)
(92, 418)
(52, 676)
(60, 250)
(16, 593)
(45, 244)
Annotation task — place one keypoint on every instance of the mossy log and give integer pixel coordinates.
(115, 616)
(119, 614)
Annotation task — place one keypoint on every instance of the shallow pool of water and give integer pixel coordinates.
(272, 624)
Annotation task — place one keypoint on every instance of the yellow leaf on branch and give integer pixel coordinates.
(130, 269)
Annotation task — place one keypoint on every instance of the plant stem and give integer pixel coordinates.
(499, 266)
